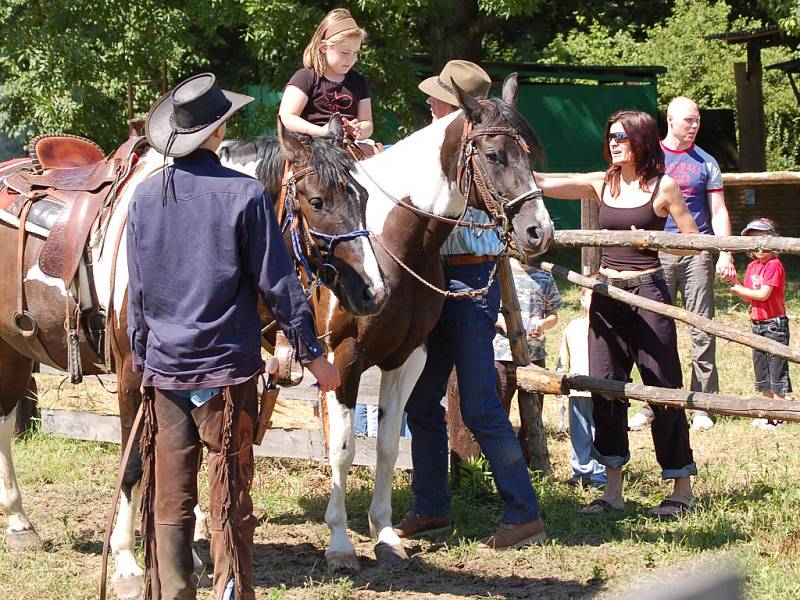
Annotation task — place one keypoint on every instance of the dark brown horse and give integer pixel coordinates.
(350, 266)
(482, 156)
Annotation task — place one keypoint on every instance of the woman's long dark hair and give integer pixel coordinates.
(645, 143)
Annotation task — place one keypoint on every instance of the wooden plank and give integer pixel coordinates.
(282, 443)
(367, 392)
(81, 425)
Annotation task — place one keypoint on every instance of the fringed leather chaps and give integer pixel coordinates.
(225, 425)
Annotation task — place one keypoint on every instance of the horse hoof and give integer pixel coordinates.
(27, 539)
(129, 587)
(387, 554)
(342, 561)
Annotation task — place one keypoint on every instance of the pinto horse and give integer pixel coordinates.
(357, 283)
(481, 155)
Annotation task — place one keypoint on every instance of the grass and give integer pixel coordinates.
(748, 514)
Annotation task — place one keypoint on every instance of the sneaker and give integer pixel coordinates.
(639, 421)
(702, 422)
(508, 537)
(413, 525)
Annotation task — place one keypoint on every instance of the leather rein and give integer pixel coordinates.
(305, 239)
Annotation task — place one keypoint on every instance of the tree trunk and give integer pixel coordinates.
(455, 32)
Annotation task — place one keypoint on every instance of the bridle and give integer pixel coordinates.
(307, 242)
(470, 171)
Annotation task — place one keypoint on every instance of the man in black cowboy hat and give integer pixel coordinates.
(202, 244)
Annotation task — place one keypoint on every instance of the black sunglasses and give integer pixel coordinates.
(618, 136)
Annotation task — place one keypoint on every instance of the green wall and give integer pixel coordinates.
(570, 120)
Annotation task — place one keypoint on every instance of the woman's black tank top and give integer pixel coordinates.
(621, 219)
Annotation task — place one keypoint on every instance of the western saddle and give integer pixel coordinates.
(77, 186)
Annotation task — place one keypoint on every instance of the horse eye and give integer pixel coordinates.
(316, 203)
(492, 157)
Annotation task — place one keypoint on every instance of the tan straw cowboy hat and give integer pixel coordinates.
(467, 75)
(180, 121)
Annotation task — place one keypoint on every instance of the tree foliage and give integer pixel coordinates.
(700, 69)
(66, 65)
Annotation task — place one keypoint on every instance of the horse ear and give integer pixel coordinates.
(510, 90)
(471, 107)
(292, 147)
(336, 128)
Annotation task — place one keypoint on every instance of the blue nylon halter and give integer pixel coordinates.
(297, 241)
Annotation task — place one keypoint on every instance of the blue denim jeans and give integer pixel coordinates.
(463, 337)
(365, 422)
(772, 372)
(581, 433)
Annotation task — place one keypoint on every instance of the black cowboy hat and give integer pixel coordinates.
(180, 121)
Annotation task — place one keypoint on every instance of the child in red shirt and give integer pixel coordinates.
(763, 288)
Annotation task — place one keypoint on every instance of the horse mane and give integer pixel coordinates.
(499, 112)
(331, 163)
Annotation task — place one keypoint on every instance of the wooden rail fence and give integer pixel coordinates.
(279, 442)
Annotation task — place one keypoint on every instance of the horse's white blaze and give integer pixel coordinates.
(411, 168)
(36, 274)
(103, 252)
(396, 387)
(122, 538)
(342, 452)
(372, 270)
(10, 496)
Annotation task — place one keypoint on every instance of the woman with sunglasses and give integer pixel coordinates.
(634, 193)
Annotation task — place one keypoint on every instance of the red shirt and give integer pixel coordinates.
(768, 273)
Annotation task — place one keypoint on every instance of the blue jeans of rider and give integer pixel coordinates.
(463, 337)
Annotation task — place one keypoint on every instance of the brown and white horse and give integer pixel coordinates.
(358, 284)
(411, 185)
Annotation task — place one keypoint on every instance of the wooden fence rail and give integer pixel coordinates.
(279, 442)
(534, 379)
(655, 240)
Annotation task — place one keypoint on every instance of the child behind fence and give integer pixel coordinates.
(763, 288)
(574, 360)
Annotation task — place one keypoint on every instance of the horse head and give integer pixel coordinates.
(495, 170)
(321, 209)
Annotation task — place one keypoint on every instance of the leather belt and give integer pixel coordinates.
(458, 260)
(626, 283)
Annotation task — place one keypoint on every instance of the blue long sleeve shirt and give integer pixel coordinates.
(197, 264)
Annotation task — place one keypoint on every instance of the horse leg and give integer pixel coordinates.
(128, 576)
(341, 554)
(15, 372)
(396, 387)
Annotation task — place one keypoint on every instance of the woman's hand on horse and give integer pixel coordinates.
(326, 374)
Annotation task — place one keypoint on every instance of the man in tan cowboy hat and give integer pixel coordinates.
(463, 338)
(202, 244)
(442, 97)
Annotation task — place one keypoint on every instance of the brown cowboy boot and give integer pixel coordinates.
(175, 575)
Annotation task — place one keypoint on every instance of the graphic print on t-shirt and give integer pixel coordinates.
(336, 101)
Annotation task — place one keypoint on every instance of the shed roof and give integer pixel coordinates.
(762, 36)
(620, 74)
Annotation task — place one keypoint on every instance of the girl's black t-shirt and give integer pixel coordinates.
(327, 97)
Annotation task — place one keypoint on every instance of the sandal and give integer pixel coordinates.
(599, 507)
(675, 509)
